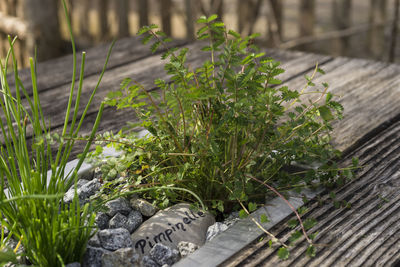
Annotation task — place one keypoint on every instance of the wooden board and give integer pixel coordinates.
(367, 234)
(58, 71)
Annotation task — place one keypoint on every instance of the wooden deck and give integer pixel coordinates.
(366, 234)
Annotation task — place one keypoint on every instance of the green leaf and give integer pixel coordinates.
(252, 206)
(212, 18)
(218, 24)
(295, 236)
(328, 97)
(147, 39)
(243, 214)
(234, 34)
(326, 113)
(309, 223)
(202, 30)
(321, 71)
(311, 251)
(283, 253)
(202, 19)
(354, 161)
(302, 210)
(264, 218)
(292, 223)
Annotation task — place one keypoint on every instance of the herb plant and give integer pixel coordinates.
(52, 232)
(220, 129)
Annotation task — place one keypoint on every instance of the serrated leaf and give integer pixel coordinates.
(218, 24)
(309, 223)
(155, 46)
(202, 19)
(202, 30)
(283, 253)
(264, 218)
(252, 206)
(234, 34)
(212, 18)
(311, 251)
(292, 223)
(147, 39)
(325, 113)
(243, 214)
(302, 210)
(328, 97)
(295, 236)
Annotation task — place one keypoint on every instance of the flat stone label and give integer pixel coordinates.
(171, 226)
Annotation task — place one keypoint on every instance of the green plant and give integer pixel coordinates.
(52, 232)
(216, 127)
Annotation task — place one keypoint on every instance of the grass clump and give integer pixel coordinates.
(52, 232)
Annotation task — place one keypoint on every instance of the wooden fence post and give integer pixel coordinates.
(190, 20)
(307, 19)
(143, 13)
(247, 12)
(102, 17)
(165, 10)
(275, 31)
(277, 9)
(341, 18)
(44, 30)
(123, 18)
(376, 35)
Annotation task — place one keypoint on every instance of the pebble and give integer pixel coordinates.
(162, 254)
(113, 239)
(186, 248)
(120, 205)
(145, 208)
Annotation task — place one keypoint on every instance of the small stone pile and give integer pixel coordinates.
(112, 245)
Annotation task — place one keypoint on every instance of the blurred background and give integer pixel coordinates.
(354, 28)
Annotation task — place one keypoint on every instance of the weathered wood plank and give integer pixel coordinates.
(57, 72)
(368, 90)
(367, 234)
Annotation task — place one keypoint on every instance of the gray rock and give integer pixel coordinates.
(120, 205)
(215, 229)
(171, 226)
(89, 189)
(69, 195)
(73, 264)
(145, 208)
(102, 220)
(113, 239)
(135, 219)
(92, 257)
(118, 221)
(164, 255)
(94, 241)
(232, 219)
(85, 189)
(186, 248)
(120, 258)
(148, 262)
